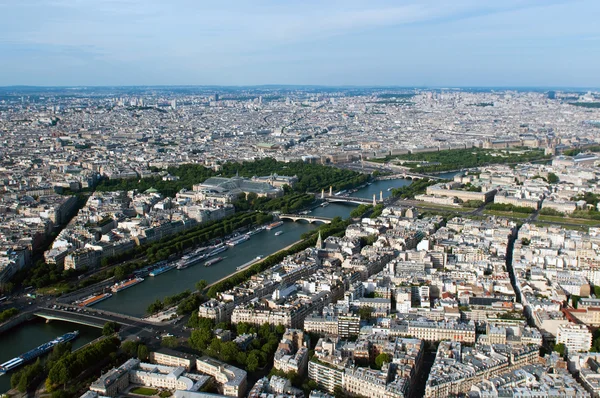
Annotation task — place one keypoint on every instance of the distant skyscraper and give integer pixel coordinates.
(174, 104)
(216, 96)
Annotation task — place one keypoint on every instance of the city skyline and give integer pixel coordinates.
(422, 44)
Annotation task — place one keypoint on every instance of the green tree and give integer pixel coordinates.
(338, 392)
(201, 285)
(229, 351)
(366, 313)
(130, 348)
(280, 329)
(199, 339)
(560, 348)
(252, 362)
(120, 272)
(110, 328)
(553, 178)
(169, 341)
(142, 352)
(381, 358)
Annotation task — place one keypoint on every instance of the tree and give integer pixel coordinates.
(130, 348)
(201, 285)
(110, 328)
(365, 313)
(229, 351)
(252, 361)
(169, 341)
(553, 178)
(242, 328)
(560, 348)
(120, 273)
(381, 358)
(280, 329)
(142, 352)
(200, 339)
(338, 392)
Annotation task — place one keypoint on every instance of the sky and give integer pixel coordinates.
(432, 43)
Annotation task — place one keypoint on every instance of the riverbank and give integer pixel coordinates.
(15, 321)
(245, 268)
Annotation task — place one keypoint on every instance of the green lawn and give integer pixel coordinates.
(573, 227)
(568, 220)
(144, 391)
(508, 214)
(165, 394)
(57, 289)
(442, 207)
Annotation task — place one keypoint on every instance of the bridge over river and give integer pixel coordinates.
(307, 218)
(93, 318)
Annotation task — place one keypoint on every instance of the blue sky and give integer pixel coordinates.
(445, 43)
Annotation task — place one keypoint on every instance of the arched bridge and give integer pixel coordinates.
(350, 199)
(90, 318)
(309, 219)
(412, 176)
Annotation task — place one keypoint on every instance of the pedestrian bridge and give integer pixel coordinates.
(307, 218)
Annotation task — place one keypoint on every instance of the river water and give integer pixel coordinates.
(136, 299)
(32, 334)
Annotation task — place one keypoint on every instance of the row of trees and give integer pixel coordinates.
(360, 211)
(415, 188)
(288, 203)
(176, 244)
(27, 378)
(135, 349)
(71, 364)
(311, 177)
(200, 234)
(168, 301)
(509, 207)
(467, 158)
(7, 314)
(377, 210)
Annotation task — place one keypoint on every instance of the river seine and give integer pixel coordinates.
(135, 300)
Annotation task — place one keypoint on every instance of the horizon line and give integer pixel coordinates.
(437, 87)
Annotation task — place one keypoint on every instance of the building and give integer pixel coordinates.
(576, 338)
(168, 357)
(292, 353)
(115, 381)
(232, 380)
(446, 190)
(82, 258)
(237, 185)
(326, 375)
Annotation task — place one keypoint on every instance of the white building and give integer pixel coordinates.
(575, 337)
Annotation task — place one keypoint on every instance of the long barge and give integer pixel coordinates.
(190, 259)
(161, 270)
(89, 301)
(217, 250)
(276, 224)
(249, 263)
(255, 231)
(117, 287)
(36, 352)
(237, 240)
(213, 261)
